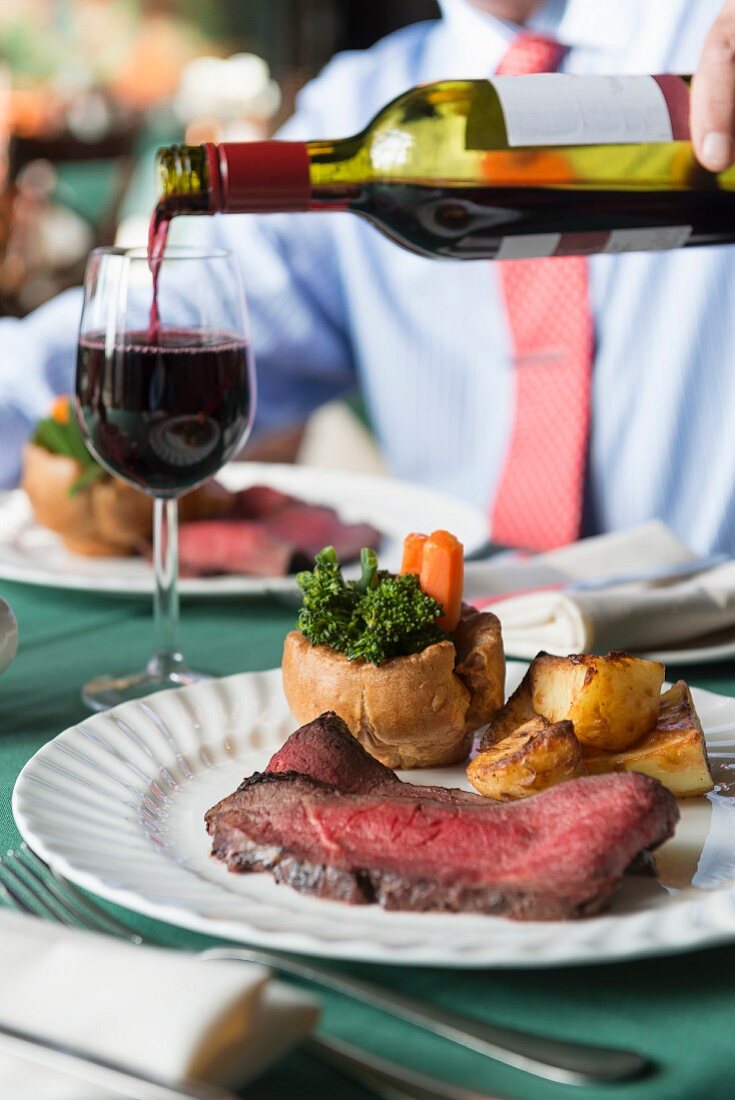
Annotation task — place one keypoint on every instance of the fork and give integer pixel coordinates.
(29, 884)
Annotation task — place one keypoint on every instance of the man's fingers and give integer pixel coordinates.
(713, 95)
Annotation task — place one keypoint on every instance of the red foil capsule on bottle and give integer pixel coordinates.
(258, 176)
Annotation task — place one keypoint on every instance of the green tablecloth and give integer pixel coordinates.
(679, 1010)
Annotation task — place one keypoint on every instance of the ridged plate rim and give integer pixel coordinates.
(99, 803)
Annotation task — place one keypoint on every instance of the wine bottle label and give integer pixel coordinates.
(528, 246)
(564, 109)
(653, 239)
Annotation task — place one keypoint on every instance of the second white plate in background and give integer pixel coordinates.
(34, 555)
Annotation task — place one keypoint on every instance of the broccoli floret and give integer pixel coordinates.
(328, 602)
(374, 618)
(369, 565)
(397, 618)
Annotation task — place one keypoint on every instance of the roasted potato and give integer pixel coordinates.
(612, 701)
(674, 752)
(517, 710)
(537, 755)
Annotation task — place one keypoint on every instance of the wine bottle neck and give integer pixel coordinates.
(258, 176)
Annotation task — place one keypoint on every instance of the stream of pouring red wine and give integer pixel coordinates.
(157, 237)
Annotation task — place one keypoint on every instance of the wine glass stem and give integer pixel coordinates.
(167, 657)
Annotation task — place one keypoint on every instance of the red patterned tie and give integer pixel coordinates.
(538, 502)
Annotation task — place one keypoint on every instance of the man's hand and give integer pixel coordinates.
(713, 94)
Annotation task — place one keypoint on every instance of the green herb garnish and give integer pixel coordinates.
(60, 434)
(374, 618)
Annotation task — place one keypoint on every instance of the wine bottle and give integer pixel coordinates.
(507, 168)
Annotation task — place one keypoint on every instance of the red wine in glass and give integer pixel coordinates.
(165, 415)
(163, 406)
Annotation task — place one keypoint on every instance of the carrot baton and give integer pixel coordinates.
(413, 553)
(60, 409)
(442, 575)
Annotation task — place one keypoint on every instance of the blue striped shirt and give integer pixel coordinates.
(335, 305)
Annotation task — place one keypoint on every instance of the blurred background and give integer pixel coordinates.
(89, 89)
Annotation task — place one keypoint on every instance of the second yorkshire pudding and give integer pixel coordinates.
(417, 711)
(108, 517)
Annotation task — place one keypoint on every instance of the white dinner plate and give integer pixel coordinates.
(116, 804)
(34, 555)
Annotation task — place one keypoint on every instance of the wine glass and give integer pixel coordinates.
(165, 395)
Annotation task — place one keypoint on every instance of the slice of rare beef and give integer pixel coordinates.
(209, 547)
(326, 750)
(311, 527)
(558, 854)
(259, 501)
(268, 534)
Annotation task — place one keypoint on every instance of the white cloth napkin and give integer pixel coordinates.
(165, 1013)
(8, 635)
(537, 612)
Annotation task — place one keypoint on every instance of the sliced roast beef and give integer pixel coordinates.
(311, 527)
(558, 854)
(259, 501)
(216, 546)
(268, 533)
(326, 750)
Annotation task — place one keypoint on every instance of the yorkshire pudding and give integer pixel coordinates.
(109, 517)
(418, 711)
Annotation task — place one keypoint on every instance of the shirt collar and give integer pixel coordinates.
(573, 22)
(481, 39)
(607, 26)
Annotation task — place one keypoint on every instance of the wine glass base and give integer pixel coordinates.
(109, 691)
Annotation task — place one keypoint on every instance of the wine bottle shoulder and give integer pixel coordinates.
(423, 135)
